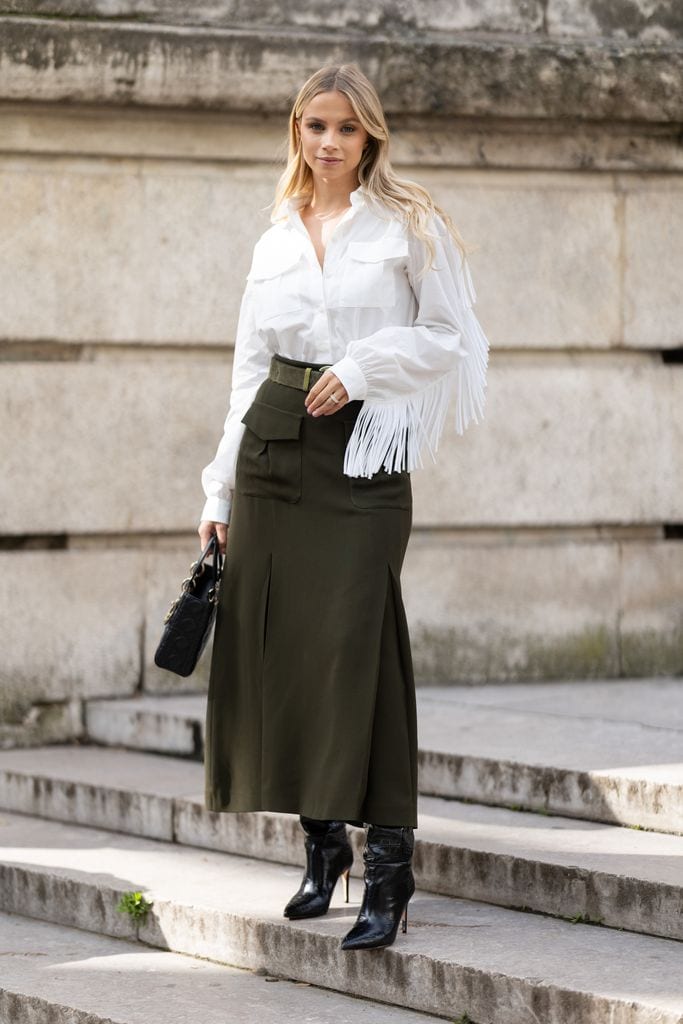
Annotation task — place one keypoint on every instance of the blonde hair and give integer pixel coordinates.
(409, 201)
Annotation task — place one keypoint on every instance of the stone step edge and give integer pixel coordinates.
(16, 1006)
(30, 996)
(288, 951)
(573, 793)
(560, 890)
(74, 902)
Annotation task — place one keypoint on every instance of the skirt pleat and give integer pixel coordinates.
(311, 702)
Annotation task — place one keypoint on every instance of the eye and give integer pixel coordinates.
(350, 127)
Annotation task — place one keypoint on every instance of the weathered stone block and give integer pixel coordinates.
(24, 724)
(652, 21)
(72, 624)
(157, 257)
(191, 136)
(653, 241)
(576, 441)
(150, 426)
(478, 610)
(565, 441)
(439, 142)
(167, 725)
(177, 240)
(482, 611)
(651, 623)
(545, 259)
(390, 16)
(659, 21)
(261, 67)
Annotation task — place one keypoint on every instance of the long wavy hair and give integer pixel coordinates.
(409, 201)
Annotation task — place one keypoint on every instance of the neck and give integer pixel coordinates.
(329, 197)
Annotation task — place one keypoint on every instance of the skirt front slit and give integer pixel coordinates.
(311, 701)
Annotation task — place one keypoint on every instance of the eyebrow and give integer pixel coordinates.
(342, 120)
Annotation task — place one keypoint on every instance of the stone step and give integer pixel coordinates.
(621, 877)
(599, 750)
(458, 957)
(61, 975)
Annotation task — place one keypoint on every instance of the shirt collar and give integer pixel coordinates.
(357, 198)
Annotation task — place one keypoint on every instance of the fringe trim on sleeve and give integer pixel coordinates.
(392, 433)
(471, 374)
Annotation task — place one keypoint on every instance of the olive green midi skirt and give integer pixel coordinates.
(311, 700)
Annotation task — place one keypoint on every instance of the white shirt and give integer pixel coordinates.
(398, 344)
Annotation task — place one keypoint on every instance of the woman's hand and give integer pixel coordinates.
(206, 531)
(318, 398)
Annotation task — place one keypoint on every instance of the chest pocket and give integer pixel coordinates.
(372, 272)
(277, 277)
(269, 456)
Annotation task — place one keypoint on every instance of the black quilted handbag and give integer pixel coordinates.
(189, 620)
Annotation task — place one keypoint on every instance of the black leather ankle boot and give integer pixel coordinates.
(328, 855)
(389, 884)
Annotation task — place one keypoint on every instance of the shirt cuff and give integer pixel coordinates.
(216, 510)
(352, 377)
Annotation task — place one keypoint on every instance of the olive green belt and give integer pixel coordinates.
(303, 377)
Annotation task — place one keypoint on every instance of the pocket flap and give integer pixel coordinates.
(384, 249)
(270, 423)
(272, 260)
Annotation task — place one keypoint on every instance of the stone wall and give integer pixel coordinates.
(139, 147)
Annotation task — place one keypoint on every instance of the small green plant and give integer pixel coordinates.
(464, 1018)
(584, 919)
(135, 904)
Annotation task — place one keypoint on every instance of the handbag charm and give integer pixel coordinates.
(188, 622)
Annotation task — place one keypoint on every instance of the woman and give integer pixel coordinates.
(355, 330)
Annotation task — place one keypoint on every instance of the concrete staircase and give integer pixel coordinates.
(520, 916)
(60, 975)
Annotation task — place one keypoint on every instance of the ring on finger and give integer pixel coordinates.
(333, 398)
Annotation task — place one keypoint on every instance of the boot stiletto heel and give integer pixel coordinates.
(345, 880)
(404, 921)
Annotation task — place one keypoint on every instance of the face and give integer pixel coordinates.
(332, 137)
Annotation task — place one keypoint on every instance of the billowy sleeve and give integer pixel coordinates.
(406, 376)
(250, 367)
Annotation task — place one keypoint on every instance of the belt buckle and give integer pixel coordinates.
(309, 371)
(321, 369)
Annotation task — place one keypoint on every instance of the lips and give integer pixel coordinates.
(329, 160)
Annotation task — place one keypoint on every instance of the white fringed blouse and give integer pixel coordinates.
(400, 344)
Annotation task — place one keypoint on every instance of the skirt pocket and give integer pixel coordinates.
(382, 489)
(269, 458)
